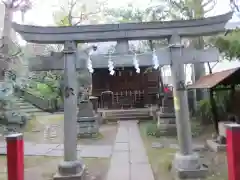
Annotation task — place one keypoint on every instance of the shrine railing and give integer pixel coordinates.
(122, 99)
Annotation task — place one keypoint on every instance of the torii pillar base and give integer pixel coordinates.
(188, 167)
(71, 170)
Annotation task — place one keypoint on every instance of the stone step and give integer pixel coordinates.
(127, 118)
(30, 110)
(25, 107)
(127, 114)
(41, 113)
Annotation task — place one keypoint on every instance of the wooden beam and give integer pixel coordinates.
(189, 55)
(128, 31)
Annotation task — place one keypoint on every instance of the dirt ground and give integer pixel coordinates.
(44, 168)
(161, 158)
(49, 129)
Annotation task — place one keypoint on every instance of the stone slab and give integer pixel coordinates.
(131, 164)
(3, 151)
(96, 152)
(119, 172)
(137, 157)
(120, 158)
(121, 147)
(180, 174)
(216, 147)
(89, 151)
(54, 153)
(79, 176)
(141, 172)
(222, 127)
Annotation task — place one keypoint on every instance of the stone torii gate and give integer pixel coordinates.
(186, 163)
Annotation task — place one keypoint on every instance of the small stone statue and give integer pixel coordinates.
(84, 79)
(86, 117)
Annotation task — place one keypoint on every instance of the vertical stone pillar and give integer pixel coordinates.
(70, 167)
(186, 163)
(15, 156)
(233, 151)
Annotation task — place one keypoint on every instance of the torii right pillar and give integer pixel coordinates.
(186, 164)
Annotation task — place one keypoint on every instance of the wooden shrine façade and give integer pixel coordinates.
(126, 88)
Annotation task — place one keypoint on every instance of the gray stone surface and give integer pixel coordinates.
(129, 160)
(196, 147)
(216, 147)
(55, 150)
(132, 31)
(157, 145)
(222, 127)
(121, 147)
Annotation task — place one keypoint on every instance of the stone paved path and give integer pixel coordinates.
(129, 160)
(55, 150)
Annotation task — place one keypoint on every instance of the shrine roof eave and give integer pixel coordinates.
(129, 31)
(227, 77)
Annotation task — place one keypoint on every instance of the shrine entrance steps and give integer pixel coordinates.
(140, 114)
(20, 105)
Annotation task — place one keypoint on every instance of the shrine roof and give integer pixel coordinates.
(227, 77)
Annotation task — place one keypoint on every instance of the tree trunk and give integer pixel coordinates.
(199, 68)
(7, 29)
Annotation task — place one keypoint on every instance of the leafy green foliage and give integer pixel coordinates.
(229, 45)
(204, 111)
(46, 85)
(151, 129)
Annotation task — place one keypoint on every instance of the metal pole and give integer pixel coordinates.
(180, 97)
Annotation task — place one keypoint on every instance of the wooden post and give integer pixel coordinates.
(233, 151)
(15, 156)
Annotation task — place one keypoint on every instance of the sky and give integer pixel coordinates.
(42, 11)
(42, 14)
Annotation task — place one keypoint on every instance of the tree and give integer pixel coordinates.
(12, 6)
(229, 43)
(73, 12)
(8, 45)
(192, 9)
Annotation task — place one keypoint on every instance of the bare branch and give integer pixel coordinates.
(208, 2)
(211, 5)
(16, 4)
(84, 16)
(17, 53)
(72, 5)
(234, 4)
(181, 7)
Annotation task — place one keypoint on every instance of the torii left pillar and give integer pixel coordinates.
(70, 168)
